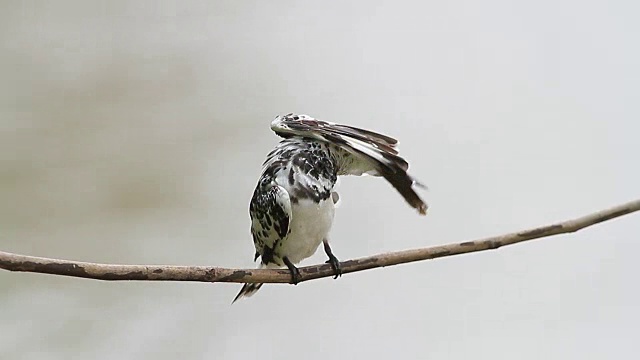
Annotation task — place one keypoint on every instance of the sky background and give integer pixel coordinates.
(134, 132)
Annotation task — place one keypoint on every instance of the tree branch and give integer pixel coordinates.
(15, 262)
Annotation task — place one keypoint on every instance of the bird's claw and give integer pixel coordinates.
(295, 272)
(295, 276)
(335, 265)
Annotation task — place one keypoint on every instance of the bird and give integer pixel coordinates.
(293, 204)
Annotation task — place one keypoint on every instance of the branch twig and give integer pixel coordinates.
(15, 262)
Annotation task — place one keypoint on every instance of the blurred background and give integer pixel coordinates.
(134, 132)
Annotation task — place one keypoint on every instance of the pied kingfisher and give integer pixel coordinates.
(293, 204)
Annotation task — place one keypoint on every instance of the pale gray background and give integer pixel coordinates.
(134, 133)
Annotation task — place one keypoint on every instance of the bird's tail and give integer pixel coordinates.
(247, 290)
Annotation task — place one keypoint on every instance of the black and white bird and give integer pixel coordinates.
(293, 204)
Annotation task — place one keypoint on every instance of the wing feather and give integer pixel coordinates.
(270, 221)
(270, 212)
(378, 149)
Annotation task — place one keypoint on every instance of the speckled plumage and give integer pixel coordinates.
(298, 173)
(292, 207)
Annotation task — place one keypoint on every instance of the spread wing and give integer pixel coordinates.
(270, 211)
(375, 149)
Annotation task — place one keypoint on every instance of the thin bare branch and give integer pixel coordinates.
(15, 262)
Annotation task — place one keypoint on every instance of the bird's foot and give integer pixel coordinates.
(295, 272)
(333, 260)
(335, 264)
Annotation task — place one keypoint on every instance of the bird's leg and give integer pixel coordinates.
(333, 260)
(295, 273)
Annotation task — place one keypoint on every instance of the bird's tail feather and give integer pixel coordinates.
(247, 290)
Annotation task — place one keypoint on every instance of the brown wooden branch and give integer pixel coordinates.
(15, 262)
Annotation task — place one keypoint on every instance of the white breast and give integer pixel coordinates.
(310, 224)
